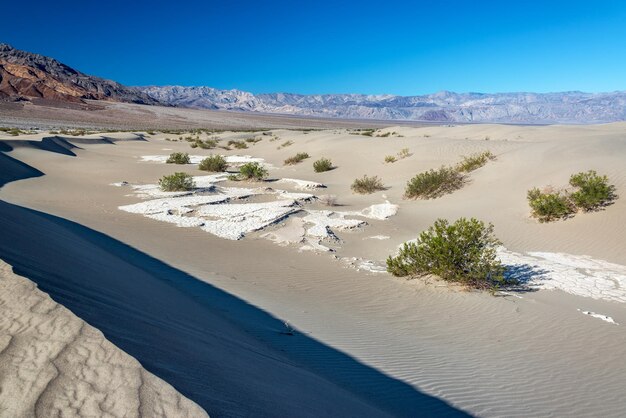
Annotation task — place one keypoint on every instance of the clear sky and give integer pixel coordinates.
(301, 46)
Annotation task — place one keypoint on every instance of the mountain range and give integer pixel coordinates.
(28, 76)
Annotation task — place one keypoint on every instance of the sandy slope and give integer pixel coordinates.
(54, 364)
(536, 354)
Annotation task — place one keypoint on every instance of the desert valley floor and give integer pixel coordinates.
(256, 298)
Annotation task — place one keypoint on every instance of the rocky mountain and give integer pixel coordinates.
(567, 107)
(28, 76)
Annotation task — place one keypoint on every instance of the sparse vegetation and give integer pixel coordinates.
(11, 131)
(367, 185)
(475, 161)
(550, 205)
(390, 159)
(463, 252)
(178, 158)
(237, 144)
(593, 192)
(404, 152)
(434, 183)
(213, 163)
(364, 132)
(323, 164)
(176, 182)
(252, 171)
(299, 157)
(285, 144)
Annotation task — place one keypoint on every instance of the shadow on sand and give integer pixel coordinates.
(230, 357)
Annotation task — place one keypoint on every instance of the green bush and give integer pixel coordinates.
(214, 163)
(475, 161)
(178, 158)
(176, 182)
(299, 157)
(434, 183)
(549, 206)
(252, 171)
(390, 159)
(367, 185)
(463, 252)
(323, 164)
(593, 192)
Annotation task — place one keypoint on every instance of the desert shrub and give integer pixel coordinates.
(367, 185)
(214, 163)
(252, 171)
(549, 206)
(475, 161)
(328, 199)
(237, 144)
(390, 159)
(323, 164)
(177, 182)
(299, 157)
(404, 152)
(463, 252)
(593, 192)
(434, 183)
(178, 158)
(194, 145)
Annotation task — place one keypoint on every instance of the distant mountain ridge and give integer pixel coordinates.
(28, 76)
(566, 107)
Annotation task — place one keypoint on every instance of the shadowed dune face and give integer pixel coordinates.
(179, 329)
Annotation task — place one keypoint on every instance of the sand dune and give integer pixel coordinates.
(54, 364)
(532, 353)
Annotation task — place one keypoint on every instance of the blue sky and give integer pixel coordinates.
(392, 46)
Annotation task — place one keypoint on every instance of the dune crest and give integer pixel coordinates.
(52, 363)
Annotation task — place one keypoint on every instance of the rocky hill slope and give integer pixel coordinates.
(27, 76)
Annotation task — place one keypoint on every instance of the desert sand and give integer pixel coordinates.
(54, 364)
(268, 270)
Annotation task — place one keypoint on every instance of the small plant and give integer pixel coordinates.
(323, 164)
(367, 185)
(213, 163)
(475, 161)
(549, 205)
(463, 252)
(385, 135)
(178, 158)
(253, 140)
(434, 183)
(177, 182)
(593, 192)
(390, 159)
(237, 144)
(328, 199)
(252, 171)
(404, 152)
(285, 144)
(299, 157)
